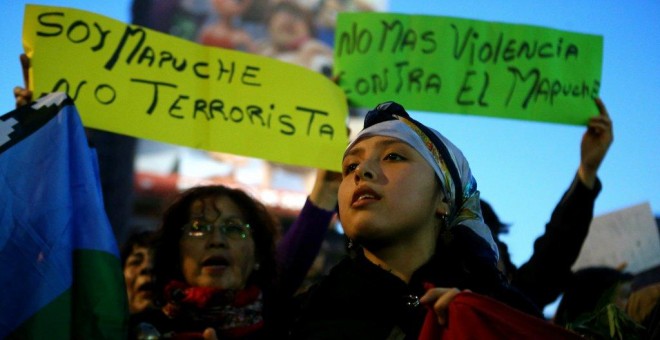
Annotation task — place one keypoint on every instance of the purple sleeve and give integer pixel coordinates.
(300, 245)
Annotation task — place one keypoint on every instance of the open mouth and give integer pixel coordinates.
(364, 194)
(146, 287)
(215, 261)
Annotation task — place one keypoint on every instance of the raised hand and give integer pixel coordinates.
(326, 186)
(595, 143)
(23, 95)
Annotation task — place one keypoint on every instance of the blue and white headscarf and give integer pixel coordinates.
(458, 185)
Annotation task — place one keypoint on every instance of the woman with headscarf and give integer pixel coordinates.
(409, 204)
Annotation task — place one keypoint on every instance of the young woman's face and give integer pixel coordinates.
(138, 278)
(388, 194)
(216, 258)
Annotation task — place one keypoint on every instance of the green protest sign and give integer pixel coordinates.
(444, 64)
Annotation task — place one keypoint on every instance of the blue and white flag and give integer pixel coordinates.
(60, 271)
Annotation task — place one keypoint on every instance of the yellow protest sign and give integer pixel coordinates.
(446, 64)
(135, 81)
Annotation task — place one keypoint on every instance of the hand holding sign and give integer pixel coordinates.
(23, 95)
(595, 143)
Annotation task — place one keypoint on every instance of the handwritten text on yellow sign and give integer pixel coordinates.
(135, 81)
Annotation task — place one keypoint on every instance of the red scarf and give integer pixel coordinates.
(474, 316)
(233, 313)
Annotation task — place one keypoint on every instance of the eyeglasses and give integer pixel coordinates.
(235, 230)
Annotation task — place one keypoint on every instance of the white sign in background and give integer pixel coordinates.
(627, 236)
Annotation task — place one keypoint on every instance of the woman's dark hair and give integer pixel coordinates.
(498, 227)
(143, 239)
(467, 261)
(265, 229)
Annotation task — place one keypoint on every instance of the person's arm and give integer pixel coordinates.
(543, 277)
(301, 243)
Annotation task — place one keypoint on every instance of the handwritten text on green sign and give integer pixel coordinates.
(466, 66)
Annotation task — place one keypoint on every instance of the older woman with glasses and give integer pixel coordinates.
(217, 267)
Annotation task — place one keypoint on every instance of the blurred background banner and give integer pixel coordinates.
(296, 32)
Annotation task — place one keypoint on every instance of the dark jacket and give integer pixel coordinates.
(359, 300)
(547, 273)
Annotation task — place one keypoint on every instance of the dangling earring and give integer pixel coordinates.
(350, 245)
(444, 229)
